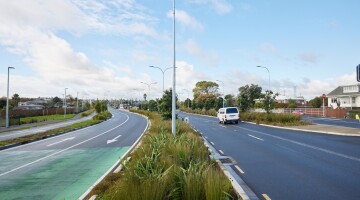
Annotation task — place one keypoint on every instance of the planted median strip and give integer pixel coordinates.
(167, 167)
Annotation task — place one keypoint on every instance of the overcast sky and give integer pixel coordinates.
(102, 49)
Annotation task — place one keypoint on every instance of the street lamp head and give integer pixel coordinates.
(258, 66)
(11, 67)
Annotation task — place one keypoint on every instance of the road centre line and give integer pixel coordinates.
(55, 153)
(255, 137)
(304, 145)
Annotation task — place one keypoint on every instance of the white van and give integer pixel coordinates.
(228, 114)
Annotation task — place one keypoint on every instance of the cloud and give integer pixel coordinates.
(29, 29)
(220, 6)
(212, 59)
(309, 58)
(184, 18)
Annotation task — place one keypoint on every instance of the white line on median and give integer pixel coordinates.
(255, 137)
(43, 158)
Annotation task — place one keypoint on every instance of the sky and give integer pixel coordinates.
(103, 49)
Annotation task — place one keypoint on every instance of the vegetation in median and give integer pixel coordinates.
(167, 167)
(87, 113)
(26, 139)
(28, 120)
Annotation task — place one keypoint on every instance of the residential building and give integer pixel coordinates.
(347, 96)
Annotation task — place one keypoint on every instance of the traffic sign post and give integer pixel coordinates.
(324, 96)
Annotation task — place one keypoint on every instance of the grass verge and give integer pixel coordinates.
(167, 167)
(42, 135)
(29, 120)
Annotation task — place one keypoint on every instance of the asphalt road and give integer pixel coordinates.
(283, 164)
(351, 123)
(64, 167)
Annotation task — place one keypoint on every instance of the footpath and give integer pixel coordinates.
(33, 128)
(327, 129)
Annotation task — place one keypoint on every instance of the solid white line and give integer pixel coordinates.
(221, 152)
(212, 143)
(239, 169)
(255, 137)
(304, 145)
(49, 145)
(43, 158)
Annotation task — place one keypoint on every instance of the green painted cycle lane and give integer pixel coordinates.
(64, 176)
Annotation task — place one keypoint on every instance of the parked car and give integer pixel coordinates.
(228, 114)
(298, 112)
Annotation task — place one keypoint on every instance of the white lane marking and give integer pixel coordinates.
(223, 126)
(212, 143)
(48, 156)
(221, 152)
(239, 169)
(255, 137)
(113, 140)
(305, 145)
(66, 139)
(206, 137)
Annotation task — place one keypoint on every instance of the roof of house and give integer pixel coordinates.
(339, 91)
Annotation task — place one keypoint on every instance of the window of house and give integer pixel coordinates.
(353, 99)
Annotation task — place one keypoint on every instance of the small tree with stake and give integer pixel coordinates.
(165, 105)
(268, 102)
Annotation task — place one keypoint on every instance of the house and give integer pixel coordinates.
(347, 96)
(35, 104)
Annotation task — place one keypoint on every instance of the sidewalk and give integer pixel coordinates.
(329, 129)
(29, 129)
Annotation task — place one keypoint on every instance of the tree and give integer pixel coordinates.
(144, 96)
(97, 106)
(247, 95)
(229, 100)
(205, 94)
(56, 101)
(15, 99)
(165, 105)
(292, 104)
(316, 102)
(188, 103)
(3, 102)
(269, 101)
(153, 105)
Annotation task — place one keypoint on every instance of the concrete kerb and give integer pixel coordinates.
(117, 164)
(229, 173)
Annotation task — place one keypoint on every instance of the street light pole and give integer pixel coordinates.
(163, 73)
(223, 92)
(7, 99)
(65, 103)
(268, 73)
(148, 84)
(77, 102)
(173, 116)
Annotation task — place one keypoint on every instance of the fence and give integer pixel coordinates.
(15, 115)
(328, 112)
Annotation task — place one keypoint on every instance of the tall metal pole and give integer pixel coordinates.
(223, 92)
(65, 103)
(173, 121)
(148, 84)
(7, 99)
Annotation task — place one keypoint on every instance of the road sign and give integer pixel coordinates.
(358, 73)
(324, 96)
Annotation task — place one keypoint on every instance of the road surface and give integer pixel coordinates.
(351, 123)
(65, 166)
(283, 164)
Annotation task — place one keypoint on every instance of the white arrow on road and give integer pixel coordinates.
(66, 139)
(113, 140)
